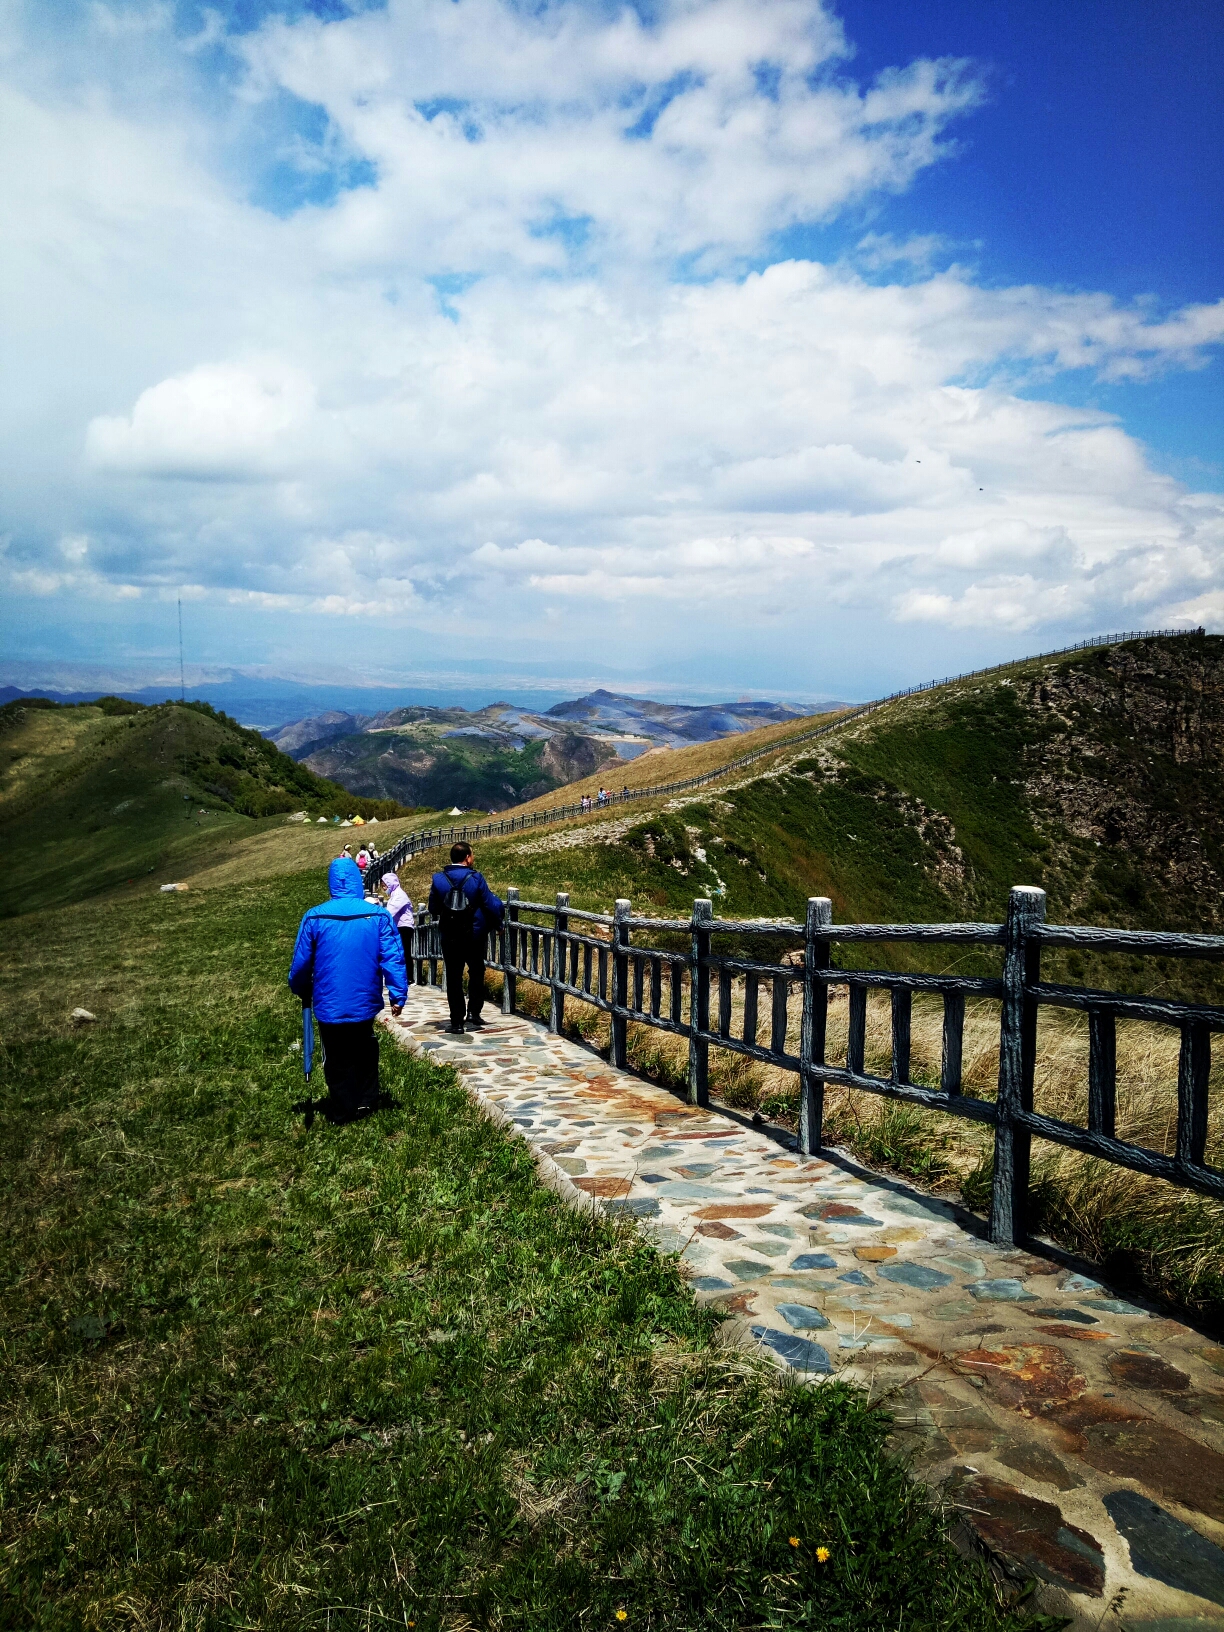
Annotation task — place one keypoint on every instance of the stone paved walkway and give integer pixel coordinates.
(1080, 1436)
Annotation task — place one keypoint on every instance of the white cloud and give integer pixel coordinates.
(216, 422)
(490, 124)
(1018, 603)
(285, 412)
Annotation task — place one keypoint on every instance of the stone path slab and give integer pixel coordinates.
(1079, 1434)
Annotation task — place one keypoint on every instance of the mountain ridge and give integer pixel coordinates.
(502, 754)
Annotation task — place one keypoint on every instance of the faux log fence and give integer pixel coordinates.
(430, 839)
(593, 958)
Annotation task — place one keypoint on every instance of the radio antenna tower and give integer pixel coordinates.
(182, 681)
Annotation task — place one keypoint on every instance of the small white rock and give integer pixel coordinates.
(82, 1017)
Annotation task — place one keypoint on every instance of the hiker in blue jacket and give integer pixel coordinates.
(466, 910)
(345, 949)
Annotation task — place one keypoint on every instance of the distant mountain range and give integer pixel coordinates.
(497, 756)
(672, 725)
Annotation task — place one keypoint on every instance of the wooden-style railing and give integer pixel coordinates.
(413, 844)
(593, 958)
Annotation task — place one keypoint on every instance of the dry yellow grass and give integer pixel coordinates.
(65, 737)
(287, 847)
(674, 764)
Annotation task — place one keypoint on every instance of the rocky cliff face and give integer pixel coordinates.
(1126, 757)
(1098, 776)
(568, 758)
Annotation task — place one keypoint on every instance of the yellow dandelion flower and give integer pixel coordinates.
(822, 1555)
(622, 1615)
(794, 1540)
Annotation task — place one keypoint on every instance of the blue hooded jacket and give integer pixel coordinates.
(345, 949)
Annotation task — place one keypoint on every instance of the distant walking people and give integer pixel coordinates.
(346, 948)
(402, 915)
(363, 859)
(466, 910)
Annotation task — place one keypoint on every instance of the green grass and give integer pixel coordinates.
(92, 799)
(258, 1376)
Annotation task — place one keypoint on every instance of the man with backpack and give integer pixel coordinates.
(466, 910)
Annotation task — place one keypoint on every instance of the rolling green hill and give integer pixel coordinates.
(95, 796)
(1096, 775)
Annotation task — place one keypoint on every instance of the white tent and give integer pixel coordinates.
(456, 811)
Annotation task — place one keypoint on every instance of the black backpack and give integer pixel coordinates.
(457, 909)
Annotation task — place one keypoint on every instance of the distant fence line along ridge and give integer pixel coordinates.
(413, 844)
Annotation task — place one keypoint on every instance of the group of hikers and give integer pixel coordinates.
(353, 944)
(603, 797)
(365, 857)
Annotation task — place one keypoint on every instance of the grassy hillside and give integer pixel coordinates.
(665, 765)
(1097, 775)
(97, 797)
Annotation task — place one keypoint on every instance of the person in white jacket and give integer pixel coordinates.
(402, 916)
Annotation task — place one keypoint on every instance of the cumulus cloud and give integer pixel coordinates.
(503, 135)
(542, 355)
(217, 421)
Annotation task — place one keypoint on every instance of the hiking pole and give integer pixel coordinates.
(307, 1040)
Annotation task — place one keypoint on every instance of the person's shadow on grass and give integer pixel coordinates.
(331, 1112)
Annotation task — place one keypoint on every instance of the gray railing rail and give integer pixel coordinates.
(595, 959)
(413, 844)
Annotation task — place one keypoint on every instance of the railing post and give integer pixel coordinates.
(817, 954)
(699, 1004)
(509, 936)
(1017, 1052)
(620, 983)
(556, 1004)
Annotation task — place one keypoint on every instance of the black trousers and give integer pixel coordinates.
(471, 954)
(350, 1065)
(406, 939)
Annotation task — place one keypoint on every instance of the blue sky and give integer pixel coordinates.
(1096, 162)
(749, 342)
